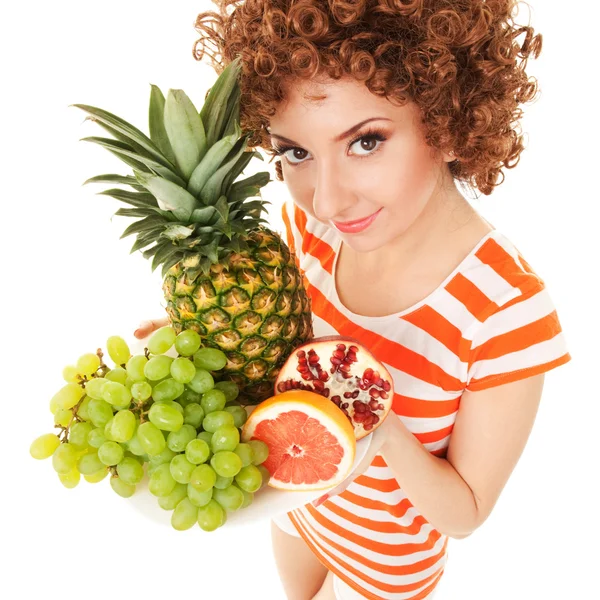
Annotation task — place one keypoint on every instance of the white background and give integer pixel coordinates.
(69, 283)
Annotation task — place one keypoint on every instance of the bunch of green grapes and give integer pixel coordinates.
(161, 416)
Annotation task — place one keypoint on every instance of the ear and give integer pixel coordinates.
(448, 156)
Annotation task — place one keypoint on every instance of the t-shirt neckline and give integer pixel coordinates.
(417, 305)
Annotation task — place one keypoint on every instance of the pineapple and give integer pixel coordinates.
(225, 275)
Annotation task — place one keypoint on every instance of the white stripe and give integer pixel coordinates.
(510, 249)
(378, 514)
(508, 319)
(422, 425)
(378, 575)
(384, 559)
(495, 287)
(535, 355)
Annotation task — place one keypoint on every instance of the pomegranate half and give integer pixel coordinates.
(343, 370)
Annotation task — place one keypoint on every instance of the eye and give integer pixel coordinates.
(367, 137)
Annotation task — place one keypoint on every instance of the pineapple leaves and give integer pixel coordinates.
(143, 240)
(170, 196)
(126, 154)
(137, 199)
(185, 131)
(177, 232)
(151, 222)
(122, 179)
(216, 112)
(156, 122)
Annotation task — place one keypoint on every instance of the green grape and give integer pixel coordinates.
(89, 463)
(183, 370)
(249, 479)
(130, 470)
(178, 406)
(163, 457)
(189, 396)
(211, 516)
(118, 374)
(230, 498)
(260, 451)
(219, 418)
(118, 350)
(100, 412)
(187, 342)
(225, 438)
(78, 434)
(108, 430)
(162, 340)
(124, 490)
(67, 397)
(44, 446)
(198, 498)
(151, 438)
(184, 516)
(244, 451)
(178, 440)
(123, 426)
(170, 501)
(266, 475)
(71, 374)
(181, 469)
(135, 367)
(213, 400)
(226, 463)
(110, 453)
(203, 382)
(206, 436)
(193, 414)
(96, 437)
(165, 416)
(229, 388)
(167, 390)
(248, 498)
(64, 458)
(116, 394)
(97, 476)
(70, 479)
(203, 477)
(129, 382)
(134, 445)
(223, 482)
(240, 416)
(161, 481)
(158, 367)
(141, 390)
(94, 387)
(63, 417)
(197, 451)
(88, 363)
(138, 459)
(83, 409)
(210, 359)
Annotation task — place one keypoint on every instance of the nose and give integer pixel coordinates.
(333, 195)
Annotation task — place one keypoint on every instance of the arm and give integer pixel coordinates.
(456, 494)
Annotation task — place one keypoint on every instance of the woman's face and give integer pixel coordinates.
(383, 167)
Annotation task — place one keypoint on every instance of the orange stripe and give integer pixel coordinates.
(424, 409)
(386, 350)
(385, 587)
(468, 294)
(322, 251)
(300, 220)
(520, 339)
(438, 327)
(430, 437)
(289, 235)
(489, 381)
(382, 485)
(497, 258)
(397, 510)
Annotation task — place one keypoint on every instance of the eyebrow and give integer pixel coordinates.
(341, 136)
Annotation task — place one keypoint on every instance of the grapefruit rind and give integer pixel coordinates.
(339, 427)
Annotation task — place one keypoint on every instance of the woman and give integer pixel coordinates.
(378, 108)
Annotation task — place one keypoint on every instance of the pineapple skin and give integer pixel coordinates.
(255, 309)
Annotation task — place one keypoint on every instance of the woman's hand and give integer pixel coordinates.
(147, 327)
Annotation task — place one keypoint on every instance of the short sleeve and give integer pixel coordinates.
(522, 338)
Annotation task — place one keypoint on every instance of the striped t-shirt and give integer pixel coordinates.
(490, 322)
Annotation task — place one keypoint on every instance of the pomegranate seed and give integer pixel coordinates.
(379, 383)
(306, 376)
(387, 386)
(318, 385)
(383, 395)
(335, 361)
(373, 404)
(380, 407)
(339, 354)
(353, 349)
(375, 376)
(281, 387)
(336, 398)
(355, 393)
(374, 393)
(375, 419)
(368, 374)
(368, 426)
(345, 405)
(345, 368)
(323, 376)
(300, 354)
(341, 347)
(313, 360)
(332, 370)
(347, 394)
(326, 392)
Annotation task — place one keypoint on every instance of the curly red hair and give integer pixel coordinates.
(458, 60)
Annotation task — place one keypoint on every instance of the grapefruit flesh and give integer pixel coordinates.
(311, 443)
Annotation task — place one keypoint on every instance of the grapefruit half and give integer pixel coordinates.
(311, 442)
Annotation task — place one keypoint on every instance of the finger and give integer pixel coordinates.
(147, 327)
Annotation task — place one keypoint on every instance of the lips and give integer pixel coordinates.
(358, 225)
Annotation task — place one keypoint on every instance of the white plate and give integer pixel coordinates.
(267, 503)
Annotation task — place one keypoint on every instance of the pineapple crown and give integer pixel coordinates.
(186, 199)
